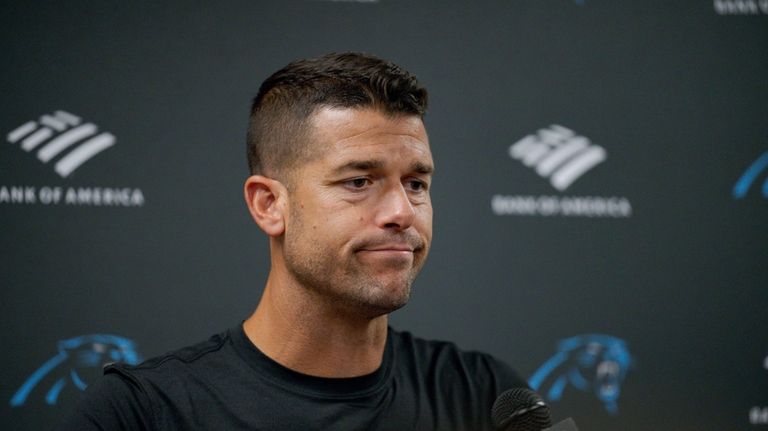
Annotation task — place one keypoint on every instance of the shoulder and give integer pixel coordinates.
(459, 385)
(185, 355)
(447, 360)
(129, 396)
(111, 402)
(185, 360)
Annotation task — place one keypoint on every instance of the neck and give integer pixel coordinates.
(305, 334)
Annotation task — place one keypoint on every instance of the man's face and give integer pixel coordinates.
(360, 220)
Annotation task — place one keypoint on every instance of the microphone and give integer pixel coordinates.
(521, 409)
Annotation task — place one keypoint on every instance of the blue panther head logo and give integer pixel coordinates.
(592, 362)
(78, 359)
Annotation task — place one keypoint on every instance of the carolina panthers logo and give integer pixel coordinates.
(79, 360)
(591, 362)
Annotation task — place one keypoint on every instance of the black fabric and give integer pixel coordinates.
(226, 383)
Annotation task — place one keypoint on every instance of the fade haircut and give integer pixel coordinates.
(279, 127)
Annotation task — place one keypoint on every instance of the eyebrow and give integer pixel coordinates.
(421, 168)
(359, 165)
(366, 165)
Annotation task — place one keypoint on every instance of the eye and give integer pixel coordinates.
(357, 183)
(417, 185)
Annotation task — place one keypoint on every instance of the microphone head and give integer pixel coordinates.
(520, 409)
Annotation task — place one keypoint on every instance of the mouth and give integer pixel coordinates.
(392, 253)
(390, 248)
(400, 250)
(608, 377)
(388, 251)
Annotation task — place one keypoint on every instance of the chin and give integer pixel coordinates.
(374, 310)
(392, 299)
(382, 299)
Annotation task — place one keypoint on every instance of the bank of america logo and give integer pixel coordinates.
(61, 134)
(742, 186)
(559, 154)
(741, 7)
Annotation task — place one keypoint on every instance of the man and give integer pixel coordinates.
(340, 175)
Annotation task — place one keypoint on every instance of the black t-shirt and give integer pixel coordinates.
(226, 383)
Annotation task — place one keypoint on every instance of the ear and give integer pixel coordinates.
(265, 198)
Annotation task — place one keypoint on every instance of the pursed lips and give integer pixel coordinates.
(388, 249)
(394, 247)
(402, 246)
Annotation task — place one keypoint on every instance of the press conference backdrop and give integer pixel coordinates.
(601, 193)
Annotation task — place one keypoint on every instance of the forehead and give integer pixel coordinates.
(342, 132)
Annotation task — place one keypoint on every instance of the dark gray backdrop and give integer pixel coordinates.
(674, 91)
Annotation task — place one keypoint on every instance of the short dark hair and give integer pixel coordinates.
(278, 129)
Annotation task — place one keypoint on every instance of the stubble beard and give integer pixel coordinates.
(348, 285)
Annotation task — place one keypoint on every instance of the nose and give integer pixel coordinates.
(396, 210)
